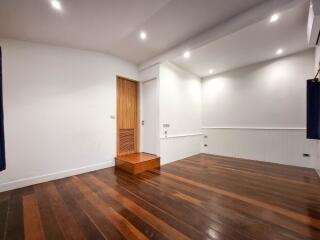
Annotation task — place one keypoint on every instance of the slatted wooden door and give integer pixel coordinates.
(127, 116)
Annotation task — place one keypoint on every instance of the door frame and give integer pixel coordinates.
(142, 112)
(118, 77)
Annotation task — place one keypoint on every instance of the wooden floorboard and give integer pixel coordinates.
(200, 197)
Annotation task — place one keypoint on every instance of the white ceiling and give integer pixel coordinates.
(112, 26)
(255, 43)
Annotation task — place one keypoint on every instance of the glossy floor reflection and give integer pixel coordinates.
(201, 197)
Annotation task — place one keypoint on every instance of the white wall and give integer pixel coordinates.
(180, 106)
(57, 107)
(58, 102)
(284, 146)
(178, 147)
(259, 112)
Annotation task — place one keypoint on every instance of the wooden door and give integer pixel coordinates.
(127, 116)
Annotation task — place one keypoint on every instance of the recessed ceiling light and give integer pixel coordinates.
(274, 17)
(56, 4)
(143, 35)
(211, 71)
(279, 51)
(186, 54)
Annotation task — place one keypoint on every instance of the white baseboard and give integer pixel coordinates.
(24, 182)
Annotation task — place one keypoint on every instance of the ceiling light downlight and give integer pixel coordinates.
(186, 54)
(143, 35)
(56, 5)
(211, 71)
(274, 17)
(279, 51)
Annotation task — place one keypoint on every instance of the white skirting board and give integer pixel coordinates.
(53, 176)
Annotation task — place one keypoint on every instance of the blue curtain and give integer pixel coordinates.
(2, 146)
(313, 109)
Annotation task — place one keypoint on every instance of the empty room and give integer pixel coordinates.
(160, 119)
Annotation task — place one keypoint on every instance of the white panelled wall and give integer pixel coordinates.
(259, 112)
(180, 107)
(284, 146)
(174, 148)
(256, 112)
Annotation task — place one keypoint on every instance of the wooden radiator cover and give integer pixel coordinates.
(126, 141)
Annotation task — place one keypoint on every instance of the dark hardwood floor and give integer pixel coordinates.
(201, 197)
